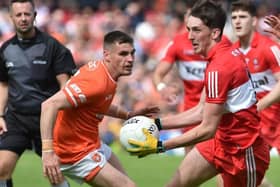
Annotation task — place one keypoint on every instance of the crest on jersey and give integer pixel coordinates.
(256, 63)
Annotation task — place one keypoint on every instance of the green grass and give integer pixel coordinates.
(152, 171)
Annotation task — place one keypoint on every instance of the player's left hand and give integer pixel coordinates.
(274, 22)
(144, 148)
(51, 167)
(146, 111)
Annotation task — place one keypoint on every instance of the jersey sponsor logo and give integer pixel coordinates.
(263, 81)
(192, 70)
(92, 64)
(241, 97)
(39, 62)
(78, 90)
(10, 64)
(213, 84)
(260, 82)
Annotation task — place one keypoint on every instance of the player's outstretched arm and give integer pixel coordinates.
(188, 117)
(119, 112)
(50, 160)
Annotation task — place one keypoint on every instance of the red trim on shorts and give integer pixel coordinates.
(92, 174)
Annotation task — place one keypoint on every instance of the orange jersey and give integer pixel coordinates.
(90, 92)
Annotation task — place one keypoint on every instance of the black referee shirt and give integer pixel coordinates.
(30, 68)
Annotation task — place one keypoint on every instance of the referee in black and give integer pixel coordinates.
(33, 66)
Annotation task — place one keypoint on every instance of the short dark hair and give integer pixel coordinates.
(211, 13)
(244, 5)
(117, 37)
(22, 1)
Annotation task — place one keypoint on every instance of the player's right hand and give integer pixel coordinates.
(51, 167)
(3, 127)
(143, 148)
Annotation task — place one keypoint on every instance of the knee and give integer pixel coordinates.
(6, 167)
(5, 171)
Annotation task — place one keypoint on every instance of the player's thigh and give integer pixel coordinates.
(115, 162)
(193, 170)
(8, 160)
(109, 176)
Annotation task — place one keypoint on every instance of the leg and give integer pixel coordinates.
(220, 182)
(265, 183)
(112, 174)
(114, 161)
(193, 171)
(8, 162)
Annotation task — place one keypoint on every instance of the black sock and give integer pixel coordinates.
(6, 183)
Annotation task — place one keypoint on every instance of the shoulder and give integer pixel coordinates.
(229, 59)
(7, 43)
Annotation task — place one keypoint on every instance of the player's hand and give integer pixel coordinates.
(143, 148)
(146, 111)
(274, 23)
(51, 167)
(3, 127)
(170, 94)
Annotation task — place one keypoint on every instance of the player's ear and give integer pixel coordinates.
(255, 21)
(106, 54)
(215, 33)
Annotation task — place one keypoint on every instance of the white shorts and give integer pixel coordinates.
(86, 168)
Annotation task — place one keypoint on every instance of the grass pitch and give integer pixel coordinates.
(151, 171)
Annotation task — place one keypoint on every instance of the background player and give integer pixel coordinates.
(190, 67)
(262, 57)
(33, 66)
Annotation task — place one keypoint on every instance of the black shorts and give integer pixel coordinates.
(23, 133)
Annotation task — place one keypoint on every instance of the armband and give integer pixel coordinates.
(158, 123)
(47, 145)
(160, 147)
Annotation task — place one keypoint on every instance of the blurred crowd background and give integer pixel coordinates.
(81, 24)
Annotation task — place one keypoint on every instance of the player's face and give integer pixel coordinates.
(122, 57)
(22, 15)
(199, 35)
(243, 23)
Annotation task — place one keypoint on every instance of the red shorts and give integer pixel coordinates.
(244, 168)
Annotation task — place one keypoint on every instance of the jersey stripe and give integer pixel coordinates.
(275, 50)
(71, 96)
(213, 84)
(251, 168)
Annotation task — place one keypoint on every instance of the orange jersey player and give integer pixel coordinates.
(74, 146)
